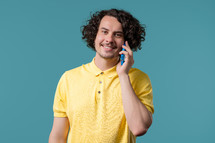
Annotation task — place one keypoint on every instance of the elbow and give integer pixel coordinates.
(140, 132)
(141, 129)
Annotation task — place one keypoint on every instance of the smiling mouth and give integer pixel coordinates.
(108, 47)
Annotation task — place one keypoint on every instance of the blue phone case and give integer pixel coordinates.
(122, 56)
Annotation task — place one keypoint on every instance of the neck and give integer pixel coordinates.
(105, 64)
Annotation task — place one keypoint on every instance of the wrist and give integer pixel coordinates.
(123, 76)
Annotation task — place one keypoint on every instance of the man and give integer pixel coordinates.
(104, 101)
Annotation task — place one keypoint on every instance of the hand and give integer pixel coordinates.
(129, 61)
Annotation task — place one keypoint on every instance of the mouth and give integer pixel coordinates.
(108, 48)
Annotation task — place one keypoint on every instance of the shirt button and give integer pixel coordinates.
(99, 92)
(100, 82)
(102, 72)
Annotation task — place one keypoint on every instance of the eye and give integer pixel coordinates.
(118, 35)
(104, 32)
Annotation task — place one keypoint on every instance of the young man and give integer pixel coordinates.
(104, 101)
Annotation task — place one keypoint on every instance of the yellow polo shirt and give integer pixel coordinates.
(91, 100)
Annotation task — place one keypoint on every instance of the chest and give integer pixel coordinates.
(95, 97)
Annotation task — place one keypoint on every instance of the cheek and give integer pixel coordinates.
(120, 43)
(99, 38)
(98, 41)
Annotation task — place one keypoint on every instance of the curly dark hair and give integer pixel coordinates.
(133, 31)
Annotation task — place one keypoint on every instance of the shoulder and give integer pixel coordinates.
(136, 73)
(76, 72)
(137, 76)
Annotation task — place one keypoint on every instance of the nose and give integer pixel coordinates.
(109, 38)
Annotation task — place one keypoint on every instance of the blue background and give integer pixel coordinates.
(39, 40)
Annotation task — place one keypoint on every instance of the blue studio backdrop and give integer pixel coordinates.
(41, 39)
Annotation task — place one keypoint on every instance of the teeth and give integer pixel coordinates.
(108, 47)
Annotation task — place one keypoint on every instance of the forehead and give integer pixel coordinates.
(110, 23)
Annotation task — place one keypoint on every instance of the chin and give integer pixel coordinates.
(107, 56)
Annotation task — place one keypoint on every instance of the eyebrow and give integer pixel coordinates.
(114, 31)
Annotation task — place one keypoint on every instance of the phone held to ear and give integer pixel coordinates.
(122, 56)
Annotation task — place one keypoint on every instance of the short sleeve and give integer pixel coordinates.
(60, 103)
(143, 89)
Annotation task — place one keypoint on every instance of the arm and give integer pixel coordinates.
(59, 130)
(137, 115)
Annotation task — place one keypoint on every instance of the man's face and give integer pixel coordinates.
(110, 38)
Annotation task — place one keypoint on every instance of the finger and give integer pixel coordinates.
(127, 48)
(126, 54)
(123, 52)
(126, 43)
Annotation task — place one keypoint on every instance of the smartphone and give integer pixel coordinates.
(122, 56)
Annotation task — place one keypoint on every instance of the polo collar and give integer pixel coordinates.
(94, 69)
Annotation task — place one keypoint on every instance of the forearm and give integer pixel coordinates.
(59, 131)
(56, 139)
(137, 115)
